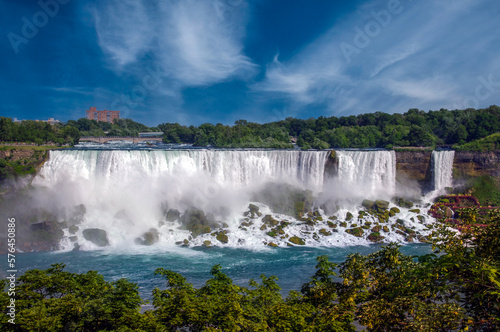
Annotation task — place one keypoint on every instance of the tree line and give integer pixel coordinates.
(69, 133)
(371, 130)
(455, 288)
(37, 132)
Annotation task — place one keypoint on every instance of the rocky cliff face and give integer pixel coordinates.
(472, 164)
(21, 160)
(415, 165)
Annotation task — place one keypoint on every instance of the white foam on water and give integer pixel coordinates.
(126, 192)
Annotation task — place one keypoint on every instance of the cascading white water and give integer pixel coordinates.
(237, 168)
(442, 169)
(129, 192)
(371, 173)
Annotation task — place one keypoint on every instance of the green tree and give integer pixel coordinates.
(56, 300)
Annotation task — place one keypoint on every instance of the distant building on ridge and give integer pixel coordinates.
(104, 116)
(51, 121)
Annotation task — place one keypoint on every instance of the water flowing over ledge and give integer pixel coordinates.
(442, 170)
(374, 171)
(238, 168)
(162, 198)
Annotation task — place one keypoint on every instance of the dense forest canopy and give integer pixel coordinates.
(370, 130)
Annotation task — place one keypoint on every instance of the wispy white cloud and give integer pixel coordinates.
(427, 56)
(200, 42)
(123, 29)
(196, 42)
(70, 90)
(279, 78)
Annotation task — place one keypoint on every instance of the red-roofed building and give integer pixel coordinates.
(104, 116)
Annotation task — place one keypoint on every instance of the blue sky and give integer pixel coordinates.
(196, 61)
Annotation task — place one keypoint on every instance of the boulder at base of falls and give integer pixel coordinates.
(297, 240)
(197, 222)
(123, 218)
(43, 236)
(73, 229)
(381, 205)
(173, 215)
(148, 238)
(401, 202)
(358, 232)
(96, 236)
(375, 237)
(221, 237)
(253, 208)
(285, 199)
(47, 231)
(269, 220)
(394, 210)
(368, 204)
(324, 232)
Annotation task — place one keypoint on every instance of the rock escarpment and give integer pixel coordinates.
(473, 164)
(414, 165)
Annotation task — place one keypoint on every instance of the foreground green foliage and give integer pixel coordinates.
(56, 300)
(455, 289)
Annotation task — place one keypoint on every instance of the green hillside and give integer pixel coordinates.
(489, 143)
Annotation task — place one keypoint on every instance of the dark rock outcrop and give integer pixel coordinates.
(96, 236)
(197, 222)
(173, 215)
(286, 199)
(148, 238)
(297, 241)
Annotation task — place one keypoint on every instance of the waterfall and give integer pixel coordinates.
(442, 169)
(371, 173)
(131, 195)
(127, 192)
(236, 168)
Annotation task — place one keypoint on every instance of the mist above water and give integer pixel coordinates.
(127, 192)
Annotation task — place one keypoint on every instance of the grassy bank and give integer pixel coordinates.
(21, 160)
(489, 143)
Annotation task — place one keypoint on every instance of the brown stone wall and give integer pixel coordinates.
(471, 164)
(414, 165)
